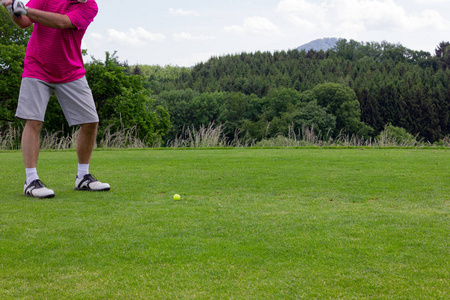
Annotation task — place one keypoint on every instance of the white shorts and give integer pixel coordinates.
(75, 99)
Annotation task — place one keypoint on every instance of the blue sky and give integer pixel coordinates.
(184, 33)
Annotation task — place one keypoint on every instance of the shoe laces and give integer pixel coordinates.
(37, 184)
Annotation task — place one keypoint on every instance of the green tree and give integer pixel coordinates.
(235, 109)
(385, 78)
(443, 54)
(10, 34)
(122, 101)
(135, 109)
(11, 67)
(310, 114)
(13, 42)
(178, 104)
(341, 101)
(279, 100)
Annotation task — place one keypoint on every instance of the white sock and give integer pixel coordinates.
(83, 169)
(31, 175)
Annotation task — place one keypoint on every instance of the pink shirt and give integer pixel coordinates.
(54, 55)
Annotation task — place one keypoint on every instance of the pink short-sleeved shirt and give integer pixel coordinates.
(54, 55)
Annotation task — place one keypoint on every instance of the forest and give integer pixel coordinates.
(356, 88)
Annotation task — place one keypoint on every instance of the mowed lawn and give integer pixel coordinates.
(251, 224)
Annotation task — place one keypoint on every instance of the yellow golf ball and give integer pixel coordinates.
(176, 197)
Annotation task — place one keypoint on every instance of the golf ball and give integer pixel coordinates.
(176, 197)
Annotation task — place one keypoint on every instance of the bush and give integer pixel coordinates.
(396, 136)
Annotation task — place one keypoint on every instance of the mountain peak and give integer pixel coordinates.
(319, 44)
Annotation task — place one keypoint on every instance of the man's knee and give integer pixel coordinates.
(33, 125)
(90, 126)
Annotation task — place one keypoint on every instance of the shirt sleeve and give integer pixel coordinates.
(36, 4)
(84, 15)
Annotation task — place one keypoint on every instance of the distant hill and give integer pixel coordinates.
(320, 44)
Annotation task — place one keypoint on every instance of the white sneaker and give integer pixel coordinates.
(90, 183)
(37, 189)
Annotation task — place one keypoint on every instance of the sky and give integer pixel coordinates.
(185, 33)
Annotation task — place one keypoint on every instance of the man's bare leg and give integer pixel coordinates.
(86, 142)
(30, 152)
(30, 143)
(85, 145)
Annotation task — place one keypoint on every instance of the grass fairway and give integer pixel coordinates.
(251, 224)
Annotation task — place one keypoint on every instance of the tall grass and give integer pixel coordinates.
(58, 141)
(445, 142)
(10, 139)
(125, 138)
(213, 136)
(205, 137)
(310, 138)
(209, 137)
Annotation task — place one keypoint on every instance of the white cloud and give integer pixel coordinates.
(254, 26)
(301, 12)
(191, 37)
(96, 36)
(134, 37)
(95, 41)
(352, 17)
(430, 18)
(193, 58)
(182, 12)
(429, 1)
(361, 15)
(307, 15)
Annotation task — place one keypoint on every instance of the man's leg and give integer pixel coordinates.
(30, 150)
(30, 143)
(78, 105)
(85, 145)
(86, 142)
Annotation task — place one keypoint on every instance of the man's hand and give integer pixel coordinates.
(19, 9)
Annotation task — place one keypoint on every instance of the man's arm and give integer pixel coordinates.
(49, 19)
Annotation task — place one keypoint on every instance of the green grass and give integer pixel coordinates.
(252, 224)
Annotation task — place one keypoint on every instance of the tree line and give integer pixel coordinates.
(390, 83)
(357, 88)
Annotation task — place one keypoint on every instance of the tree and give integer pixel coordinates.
(178, 104)
(442, 49)
(278, 100)
(235, 109)
(135, 109)
(122, 102)
(385, 78)
(443, 54)
(11, 67)
(10, 34)
(341, 101)
(13, 42)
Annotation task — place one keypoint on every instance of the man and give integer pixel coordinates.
(53, 62)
